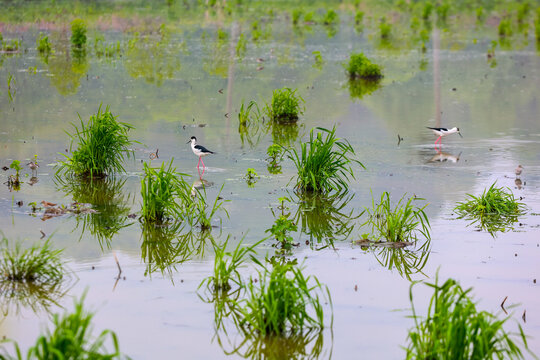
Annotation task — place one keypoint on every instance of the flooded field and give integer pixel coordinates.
(172, 76)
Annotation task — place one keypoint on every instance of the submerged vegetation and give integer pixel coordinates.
(323, 163)
(455, 329)
(495, 210)
(102, 145)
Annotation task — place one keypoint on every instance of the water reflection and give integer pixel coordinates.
(66, 67)
(153, 57)
(285, 134)
(323, 218)
(358, 88)
(407, 262)
(250, 346)
(16, 295)
(441, 156)
(165, 247)
(108, 199)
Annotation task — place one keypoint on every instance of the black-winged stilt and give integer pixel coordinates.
(199, 150)
(440, 132)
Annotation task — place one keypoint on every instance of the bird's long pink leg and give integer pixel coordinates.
(202, 162)
(440, 137)
(198, 163)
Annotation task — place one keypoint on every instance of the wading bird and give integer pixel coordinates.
(440, 132)
(199, 151)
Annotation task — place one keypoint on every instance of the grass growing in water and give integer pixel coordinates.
(165, 194)
(455, 329)
(285, 106)
(103, 143)
(38, 264)
(495, 210)
(323, 163)
(283, 302)
(78, 33)
(404, 222)
(71, 339)
(360, 67)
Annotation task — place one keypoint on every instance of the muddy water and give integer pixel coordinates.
(196, 90)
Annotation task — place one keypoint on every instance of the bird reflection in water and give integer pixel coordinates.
(441, 156)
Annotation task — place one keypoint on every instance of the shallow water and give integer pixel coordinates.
(194, 89)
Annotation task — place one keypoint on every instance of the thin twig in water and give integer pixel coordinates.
(502, 305)
(117, 264)
(42, 234)
(524, 317)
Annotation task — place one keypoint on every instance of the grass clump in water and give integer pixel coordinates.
(495, 210)
(283, 302)
(71, 339)
(78, 33)
(455, 329)
(43, 44)
(37, 265)
(285, 106)
(323, 163)
(404, 222)
(164, 193)
(360, 67)
(227, 265)
(103, 144)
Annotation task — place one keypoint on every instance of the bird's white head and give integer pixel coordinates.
(193, 140)
(456, 129)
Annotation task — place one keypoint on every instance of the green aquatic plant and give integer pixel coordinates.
(296, 15)
(71, 338)
(455, 329)
(495, 210)
(280, 231)
(43, 44)
(199, 213)
(360, 66)
(505, 28)
(330, 18)
(165, 194)
(283, 302)
(323, 163)
(241, 46)
(403, 222)
(275, 154)
(251, 176)
(249, 123)
(286, 105)
(38, 264)
(78, 33)
(385, 29)
(227, 267)
(319, 61)
(102, 145)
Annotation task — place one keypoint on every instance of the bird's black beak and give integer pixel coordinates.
(460, 134)
(188, 141)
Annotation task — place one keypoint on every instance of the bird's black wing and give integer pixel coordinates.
(438, 129)
(203, 149)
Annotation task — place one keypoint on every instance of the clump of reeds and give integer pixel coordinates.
(455, 329)
(286, 105)
(103, 144)
(403, 222)
(78, 33)
(38, 264)
(283, 302)
(165, 194)
(71, 338)
(323, 163)
(199, 213)
(360, 67)
(495, 210)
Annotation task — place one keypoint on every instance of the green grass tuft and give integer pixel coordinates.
(323, 163)
(165, 194)
(495, 210)
(38, 264)
(78, 33)
(285, 106)
(283, 302)
(360, 67)
(103, 144)
(404, 222)
(455, 329)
